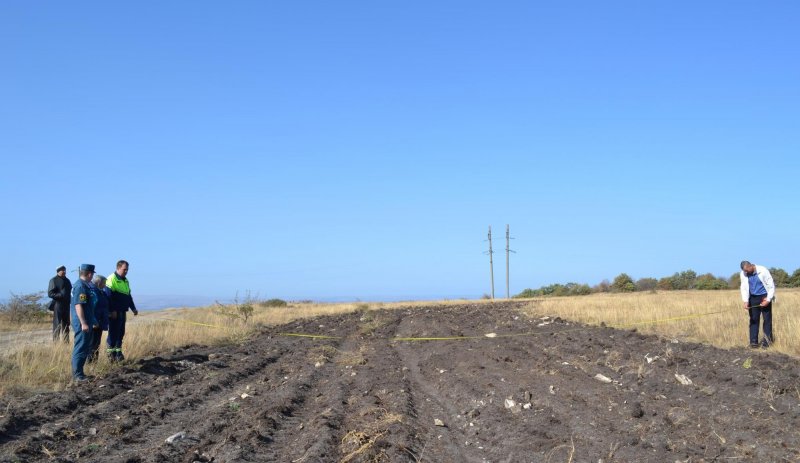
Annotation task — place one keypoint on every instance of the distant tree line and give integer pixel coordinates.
(688, 279)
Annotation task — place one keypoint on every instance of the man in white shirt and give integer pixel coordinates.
(758, 292)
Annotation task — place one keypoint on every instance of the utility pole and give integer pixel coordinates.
(508, 250)
(491, 261)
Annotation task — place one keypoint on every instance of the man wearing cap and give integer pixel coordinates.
(82, 320)
(758, 292)
(121, 301)
(59, 291)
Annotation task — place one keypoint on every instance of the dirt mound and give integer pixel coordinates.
(565, 392)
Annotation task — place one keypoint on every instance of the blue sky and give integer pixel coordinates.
(360, 150)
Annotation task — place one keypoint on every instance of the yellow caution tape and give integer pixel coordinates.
(313, 336)
(445, 338)
(193, 323)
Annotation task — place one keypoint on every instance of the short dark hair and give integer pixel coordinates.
(744, 262)
(120, 263)
(61, 269)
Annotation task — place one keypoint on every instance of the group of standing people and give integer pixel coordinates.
(96, 304)
(92, 305)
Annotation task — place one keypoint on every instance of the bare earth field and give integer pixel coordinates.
(362, 397)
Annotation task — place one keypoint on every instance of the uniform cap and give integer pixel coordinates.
(87, 268)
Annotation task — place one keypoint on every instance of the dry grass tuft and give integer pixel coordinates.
(356, 443)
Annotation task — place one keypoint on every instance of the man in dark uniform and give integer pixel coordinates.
(83, 320)
(59, 291)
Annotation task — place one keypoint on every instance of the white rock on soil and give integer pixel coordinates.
(602, 378)
(683, 379)
(491, 335)
(438, 422)
(174, 437)
(512, 406)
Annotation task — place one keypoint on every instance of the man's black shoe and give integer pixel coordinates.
(754, 346)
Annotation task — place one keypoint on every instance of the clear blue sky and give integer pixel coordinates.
(360, 149)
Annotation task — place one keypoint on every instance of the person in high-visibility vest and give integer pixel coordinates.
(121, 301)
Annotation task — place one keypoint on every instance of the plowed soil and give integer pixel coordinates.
(362, 397)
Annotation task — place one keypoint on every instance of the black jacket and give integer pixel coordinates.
(60, 291)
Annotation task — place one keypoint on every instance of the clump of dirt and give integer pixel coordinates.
(363, 397)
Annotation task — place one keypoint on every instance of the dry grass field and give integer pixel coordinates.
(27, 366)
(679, 314)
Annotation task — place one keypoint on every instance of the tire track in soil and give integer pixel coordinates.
(207, 412)
(446, 443)
(306, 431)
(148, 413)
(380, 419)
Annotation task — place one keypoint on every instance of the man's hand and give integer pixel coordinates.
(746, 306)
(135, 312)
(764, 302)
(84, 327)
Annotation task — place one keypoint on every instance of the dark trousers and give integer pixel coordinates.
(756, 314)
(97, 336)
(81, 351)
(61, 323)
(116, 331)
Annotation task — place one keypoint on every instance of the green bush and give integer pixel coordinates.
(646, 284)
(735, 280)
(273, 303)
(526, 293)
(602, 287)
(569, 289)
(623, 283)
(794, 280)
(24, 308)
(709, 282)
(665, 284)
(780, 277)
(684, 280)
